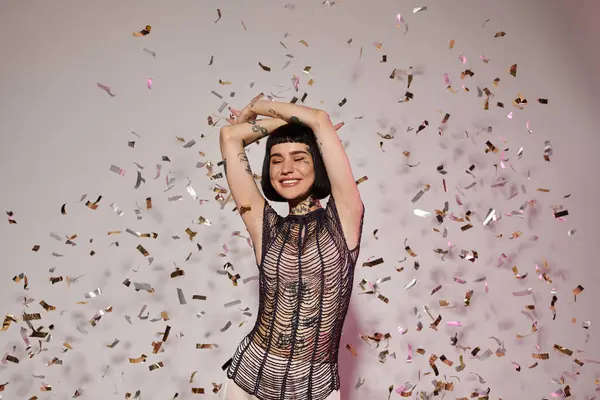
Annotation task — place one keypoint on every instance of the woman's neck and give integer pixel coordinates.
(305, 206)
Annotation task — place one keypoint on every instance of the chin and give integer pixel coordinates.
(292, 193)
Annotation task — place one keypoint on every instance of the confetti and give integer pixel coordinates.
(143, 32)
(11, 219)
(419, 9)
(106, 89)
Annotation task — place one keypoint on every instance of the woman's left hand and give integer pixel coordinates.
(246, 114)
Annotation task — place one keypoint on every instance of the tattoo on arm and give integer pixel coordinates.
(257, 128)
(276, 114)
(244, 160)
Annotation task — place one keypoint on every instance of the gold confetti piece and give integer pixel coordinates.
(578, 290)
(177, 272)
(377, 45)
(540, 356)
(142, 250)
(141, 359)
(373, 263)
(264, 67)
(191, 233)
(31, 317)
(563, 350)
(361, 180)
(63, 209)
(22, 276)
(513, 70)
(46, 306)
(351, 350)
(143, 32)
(156, 366)
(219, 15)
(198, 390)
(303, 42)
(451, 44)
(408, 249)
(468, 296)
(500, 34)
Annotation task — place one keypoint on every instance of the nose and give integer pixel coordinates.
(287, 167)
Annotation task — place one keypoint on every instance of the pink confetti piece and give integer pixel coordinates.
(106, 89)
(463, 59)
(295, 82)
(399, 18)
(453, 323)
(509, 115)
(149, 83)
(409, 356)
(447, 80)
(458, 280)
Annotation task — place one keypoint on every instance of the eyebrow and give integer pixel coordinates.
(293, 153)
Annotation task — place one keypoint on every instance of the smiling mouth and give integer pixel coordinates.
(289, 182)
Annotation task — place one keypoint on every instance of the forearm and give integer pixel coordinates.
(293, 113)
(251, 131)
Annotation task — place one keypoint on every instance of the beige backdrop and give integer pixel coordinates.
(60, 134)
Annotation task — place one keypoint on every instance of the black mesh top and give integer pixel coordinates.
(306, 276)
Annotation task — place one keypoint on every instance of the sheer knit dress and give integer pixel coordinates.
(306, 276)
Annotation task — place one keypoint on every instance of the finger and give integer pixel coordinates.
(235, 112)
(338, 126)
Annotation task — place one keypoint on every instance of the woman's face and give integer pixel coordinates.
(292, 170)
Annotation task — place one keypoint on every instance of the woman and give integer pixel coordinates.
(306, 260)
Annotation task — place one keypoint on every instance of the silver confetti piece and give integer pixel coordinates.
(189, 144)
(421, 213)
(223, 106)
(523, 292)
(134, 233)
(216, 94)
(142, 286)
(56, 236)
(152, 53)
(139, 180)
(117, 170)
(116, 209)
(181, 297)
(490, 215)
(175, 198)
(92, 294)
(232, 303)
(227, 325)
(410, 284)
(158, 169)
(419, 9)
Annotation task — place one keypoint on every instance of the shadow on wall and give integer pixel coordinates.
(347, 363)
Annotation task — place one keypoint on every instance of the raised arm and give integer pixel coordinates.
(248, 199)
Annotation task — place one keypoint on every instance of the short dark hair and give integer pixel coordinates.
(295, 133)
